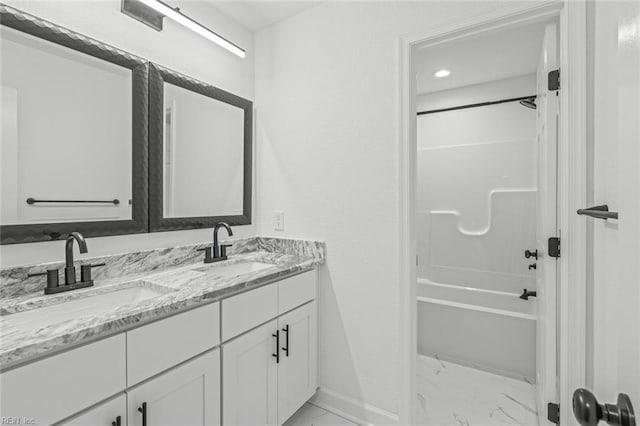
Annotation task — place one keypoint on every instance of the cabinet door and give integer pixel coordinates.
(298, 367)
(250, 387)
(186, 395)
(112, 412)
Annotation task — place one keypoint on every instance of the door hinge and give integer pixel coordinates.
(553, 412)
(553, 80)
(553, 248)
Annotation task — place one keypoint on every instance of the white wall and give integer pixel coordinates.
(175, 47)
(327, 123)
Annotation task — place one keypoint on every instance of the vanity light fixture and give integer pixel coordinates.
(442, 73)
(155, 10)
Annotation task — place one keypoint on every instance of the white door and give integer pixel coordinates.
(297, 370)
(547, 226)
(187, 395)
(112, 412)
(250, 378)
(614, 326)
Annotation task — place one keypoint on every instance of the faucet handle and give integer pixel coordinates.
(52, 277)
(208, 254)
(223, 250)
(85, 271)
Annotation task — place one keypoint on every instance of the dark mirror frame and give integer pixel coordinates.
(24, 233)
(158, 75)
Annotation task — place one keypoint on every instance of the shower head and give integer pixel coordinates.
(529, 102)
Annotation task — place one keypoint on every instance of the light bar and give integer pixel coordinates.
(194, 26)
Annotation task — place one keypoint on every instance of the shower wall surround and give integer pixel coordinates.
(477, 203)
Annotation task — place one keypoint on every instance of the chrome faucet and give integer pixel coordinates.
(217, 252)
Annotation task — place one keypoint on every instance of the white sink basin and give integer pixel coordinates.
(225, 269)
(34, 319)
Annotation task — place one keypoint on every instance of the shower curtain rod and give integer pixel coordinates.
(501, 101)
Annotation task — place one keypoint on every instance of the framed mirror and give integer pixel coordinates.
(74, 134)
(200, 153)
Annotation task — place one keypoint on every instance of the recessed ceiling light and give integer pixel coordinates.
(442, 73)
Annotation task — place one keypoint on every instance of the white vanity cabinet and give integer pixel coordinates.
(249, 359)
(271, 371)
(186, 395)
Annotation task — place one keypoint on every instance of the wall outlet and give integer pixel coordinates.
(278, 220)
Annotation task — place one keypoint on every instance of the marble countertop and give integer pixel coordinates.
(178, 287)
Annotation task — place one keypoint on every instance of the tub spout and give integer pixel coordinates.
(527, 294)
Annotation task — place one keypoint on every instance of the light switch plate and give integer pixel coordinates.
(278, 220)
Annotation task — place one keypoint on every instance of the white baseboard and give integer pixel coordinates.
(351, 409)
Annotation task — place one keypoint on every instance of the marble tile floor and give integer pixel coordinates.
(450, 394)
(311, 415)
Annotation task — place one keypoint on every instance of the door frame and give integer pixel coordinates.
(572, 188)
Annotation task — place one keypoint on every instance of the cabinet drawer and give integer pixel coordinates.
(54, 388)
(103, 414)
(247, 310)
(297, 290)
(161, 345)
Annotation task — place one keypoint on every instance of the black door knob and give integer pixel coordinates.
(588, 411)
(532, 266)
(529, 253)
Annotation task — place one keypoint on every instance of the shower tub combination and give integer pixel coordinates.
(485, 329)
(476, 204)
(469, 285)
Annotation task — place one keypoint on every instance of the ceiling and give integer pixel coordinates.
(256, 15)
(480, 59)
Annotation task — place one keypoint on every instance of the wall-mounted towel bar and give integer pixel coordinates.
(34, 201)
(599, 212)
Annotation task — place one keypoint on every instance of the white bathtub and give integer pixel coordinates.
(490, 330)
